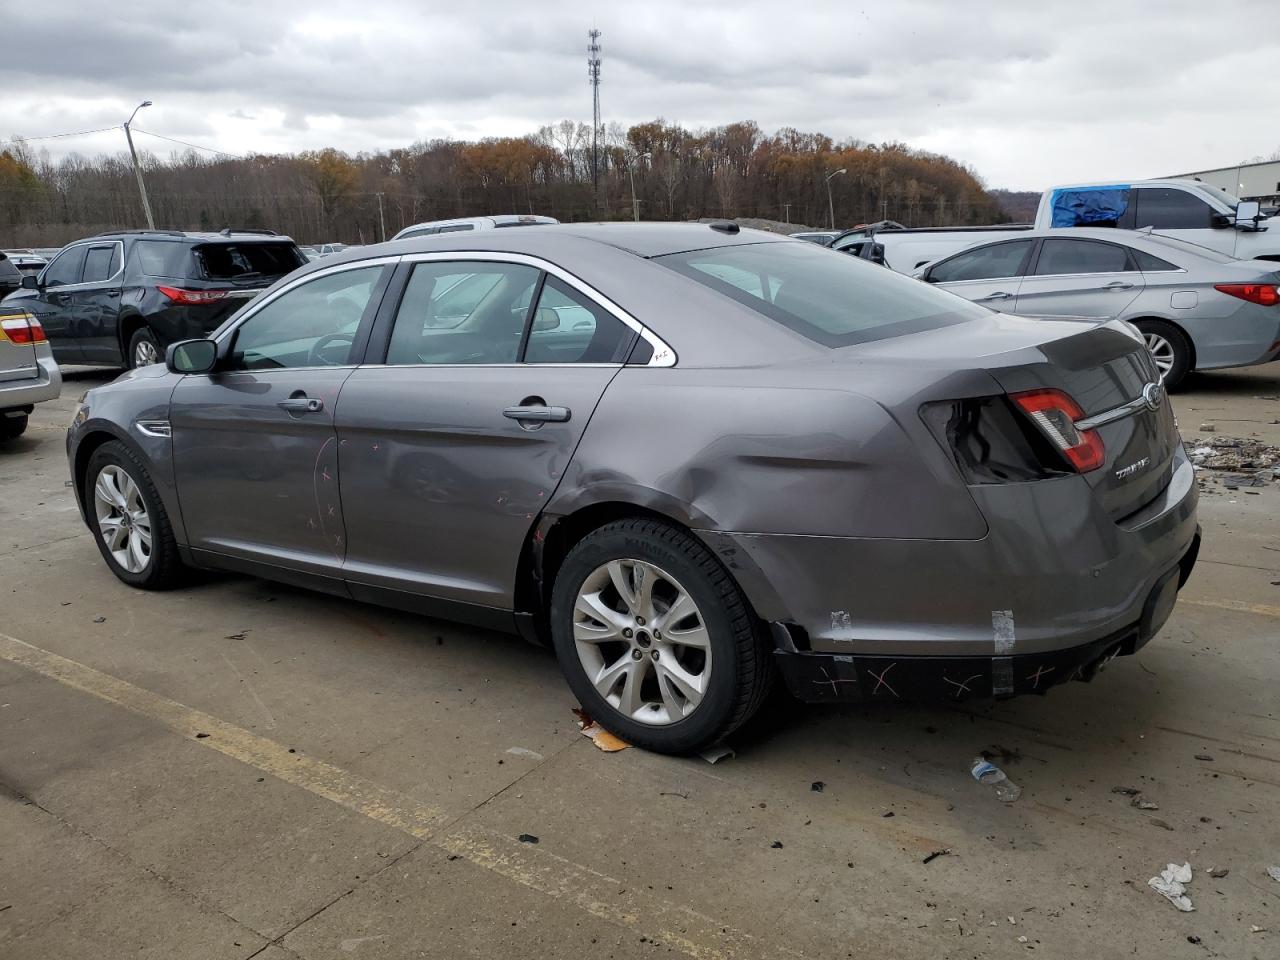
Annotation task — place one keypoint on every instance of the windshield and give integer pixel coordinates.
(1218, 194)
(831, 298)
(1164, 240)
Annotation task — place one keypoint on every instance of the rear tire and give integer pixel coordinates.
(1170, 349)
(12, 427)
(690, 686)
(144, 349)
(128, 520)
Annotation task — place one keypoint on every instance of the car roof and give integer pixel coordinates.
(191, 236)
(1125, 184)
(643, 239)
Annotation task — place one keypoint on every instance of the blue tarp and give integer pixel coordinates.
(1077, 208)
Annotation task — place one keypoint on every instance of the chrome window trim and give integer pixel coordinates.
(953, 283)
(84, 284)
(1076, 276)
(663, 355)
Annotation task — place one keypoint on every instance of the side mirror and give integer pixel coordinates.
(545, 319)
(1247, 213)
(873, 251)
(191, 356)
(29, 282)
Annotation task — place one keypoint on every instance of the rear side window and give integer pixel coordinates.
(65, 268)
(246, 261)
(569, 328)
(995, 262)
(457, 228)
(101, 263)
(1166, 208)
(1149, 264)
(1081, 256)
(832, 300)
(160, 258)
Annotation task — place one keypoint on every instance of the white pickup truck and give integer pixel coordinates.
(1186, 209)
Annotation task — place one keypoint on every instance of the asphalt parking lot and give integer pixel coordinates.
(240, 769)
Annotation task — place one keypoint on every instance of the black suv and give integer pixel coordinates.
(121, 298)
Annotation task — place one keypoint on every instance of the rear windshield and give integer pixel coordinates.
(832, 298)
(247, 261)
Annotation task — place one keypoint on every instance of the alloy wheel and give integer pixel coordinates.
(642, 641)
(1161, 352)
(122, 519)
(145, 354)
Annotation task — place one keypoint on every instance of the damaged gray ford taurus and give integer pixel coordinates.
(691, 457)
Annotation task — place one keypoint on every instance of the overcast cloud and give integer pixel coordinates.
(1026, 93)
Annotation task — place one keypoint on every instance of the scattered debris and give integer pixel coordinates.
(99, 619)
(1203, 756)
(201, 736)
(1208, 427)
(1254, 928)
(1022, 939)
(1127, 791)
(933, 856)
(1237, 455)
(887, 813)
(241, 635)
(998, 754)
(602, 738)
(1162, 824)
(988, 773)
(1143, 804)
(776, 845)
(817, 786)
(1172, 885)
(717, 752)
(1219, 872)
(1274, 873)
(523, 752)
(673, 793)
(527, 838)
(1192, 938)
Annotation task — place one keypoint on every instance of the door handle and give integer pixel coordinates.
(303, 404)
(1118, 285)
(539, 414)
(998, 295)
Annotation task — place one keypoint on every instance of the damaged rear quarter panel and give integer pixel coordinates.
(790, 454)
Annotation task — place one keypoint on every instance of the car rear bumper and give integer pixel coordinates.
(47, 385)
(1054, 575)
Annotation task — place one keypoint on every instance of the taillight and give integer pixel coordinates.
(1265, 294)
(190, 298)
(1055, 413)
(24, 329)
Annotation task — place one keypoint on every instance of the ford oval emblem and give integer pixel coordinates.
(1152, 395)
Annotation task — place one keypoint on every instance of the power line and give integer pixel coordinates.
(56, 136)
(193, 146)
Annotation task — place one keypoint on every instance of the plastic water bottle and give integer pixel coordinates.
(984, 771)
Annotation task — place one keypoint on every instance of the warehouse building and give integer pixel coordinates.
(1248, 181)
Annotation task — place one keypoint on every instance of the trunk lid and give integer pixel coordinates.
(17, 360)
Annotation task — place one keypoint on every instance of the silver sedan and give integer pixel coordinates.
(1196, 308)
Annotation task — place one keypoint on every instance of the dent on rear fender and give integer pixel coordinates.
(801, 461)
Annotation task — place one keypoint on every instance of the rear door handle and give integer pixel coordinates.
(998, 295)
(539, 414)
(1118, 285)
(302, 404)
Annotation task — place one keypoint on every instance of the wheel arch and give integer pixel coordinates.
(84, 451)
(1154, 318)
(130, 323)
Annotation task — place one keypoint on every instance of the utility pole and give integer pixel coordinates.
(884, 209)
(137, 170)
(382, 221)
(593, 75)
(631, 169)
(831, 209)
(787, 208)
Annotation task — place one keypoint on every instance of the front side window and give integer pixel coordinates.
(832, 300)
(1081, 256)
(1167, 208)
(995, 262)
(570, 328)
(66, 268)
(312, 325)
(462, 312)
(101, 263)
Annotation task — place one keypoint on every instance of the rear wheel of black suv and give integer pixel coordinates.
(655, 638)
(144, 349)
(12, 427)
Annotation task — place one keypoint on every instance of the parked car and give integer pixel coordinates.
(822, 238)
(28, 373)
(28, 264)
(1184, 209)
(121, 298)
(325, 249)
(311, 253)
(743, 455)
(10, 275)
(465, 224)
(1198, 309)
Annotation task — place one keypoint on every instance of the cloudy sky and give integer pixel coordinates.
(1027, 93)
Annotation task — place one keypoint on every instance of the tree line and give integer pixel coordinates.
(735, 170)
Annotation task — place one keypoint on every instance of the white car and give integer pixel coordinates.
(28, 372)
(472, 223)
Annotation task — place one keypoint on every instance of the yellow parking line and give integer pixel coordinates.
(690, 932)
(1261, 609)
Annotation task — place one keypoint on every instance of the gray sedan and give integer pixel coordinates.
(28, 372)
(690, 457)
(1198, 309)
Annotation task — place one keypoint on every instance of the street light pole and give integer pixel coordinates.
(631, 169)
(382, 221)
(831, 209)
(137, 170)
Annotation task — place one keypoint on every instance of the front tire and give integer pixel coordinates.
(128, 520)
(1170, 349)
(144, 349)
(655, 638)
(13, 427)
